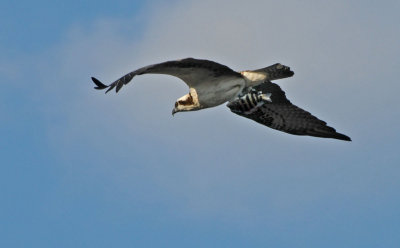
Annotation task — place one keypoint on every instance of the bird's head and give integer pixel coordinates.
(185, 103)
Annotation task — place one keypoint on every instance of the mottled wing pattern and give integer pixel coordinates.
(191, 71)
(282, 115)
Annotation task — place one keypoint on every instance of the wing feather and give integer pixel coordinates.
(282, 115)
(191, 71)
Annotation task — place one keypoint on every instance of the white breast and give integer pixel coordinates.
(219, 91)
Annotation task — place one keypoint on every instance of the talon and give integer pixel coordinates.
(265, 97)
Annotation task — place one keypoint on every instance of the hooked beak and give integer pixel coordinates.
(174, 111)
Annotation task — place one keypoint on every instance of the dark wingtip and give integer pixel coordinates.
(328, 132)
(346, 138)
(342, 137)
(99, 85)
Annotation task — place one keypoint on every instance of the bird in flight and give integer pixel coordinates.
(249, 93)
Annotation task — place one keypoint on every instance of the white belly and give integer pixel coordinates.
(217, 92)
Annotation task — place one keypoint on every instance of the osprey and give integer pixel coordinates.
(249, 93)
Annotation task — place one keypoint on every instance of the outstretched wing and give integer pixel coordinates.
(282, 115)
(191, 71)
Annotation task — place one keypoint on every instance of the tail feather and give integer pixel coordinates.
(276, 71)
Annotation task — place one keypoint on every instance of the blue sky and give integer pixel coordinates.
(84, 169)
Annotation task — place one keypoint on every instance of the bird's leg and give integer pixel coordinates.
(249, 102)
(244, 92)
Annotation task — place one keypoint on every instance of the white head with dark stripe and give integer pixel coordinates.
(188, 102)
